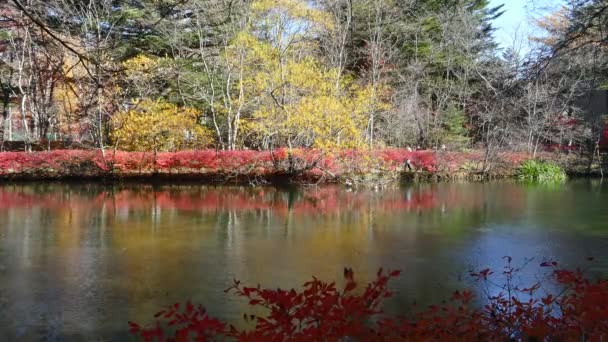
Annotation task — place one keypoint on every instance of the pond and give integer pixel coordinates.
(77, 261)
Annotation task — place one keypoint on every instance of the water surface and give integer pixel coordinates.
(79, 261)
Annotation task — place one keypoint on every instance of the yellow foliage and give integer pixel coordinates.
(66, 99)
(67, 103)
(141, 72)
(298, 101)
(159, 126)
(288, 95)
(140, 64)
(318, 110)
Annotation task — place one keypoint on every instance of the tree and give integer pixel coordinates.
(587, 22)
(426, 53)
(94, 36)
(300, 102)
(159, 126)
(575, 48)
(209, 64)
(319, 116)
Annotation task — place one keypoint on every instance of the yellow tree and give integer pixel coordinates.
(159, 126)
(301, 103)
(313, 112)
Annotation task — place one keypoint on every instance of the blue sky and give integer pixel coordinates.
(518, 17)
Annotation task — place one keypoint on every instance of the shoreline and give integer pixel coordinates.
(218, 179)
(352, 168)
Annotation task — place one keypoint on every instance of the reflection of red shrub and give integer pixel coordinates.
(327, 200)
(579, 311)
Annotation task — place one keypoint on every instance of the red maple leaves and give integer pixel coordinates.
(320, 311)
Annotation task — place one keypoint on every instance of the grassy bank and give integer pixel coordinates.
(352, 167)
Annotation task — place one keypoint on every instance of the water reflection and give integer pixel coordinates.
(79, 261)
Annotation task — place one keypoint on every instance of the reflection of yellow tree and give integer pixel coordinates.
(158, 245)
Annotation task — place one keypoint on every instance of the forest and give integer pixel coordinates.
(324, 75)
(111, 96)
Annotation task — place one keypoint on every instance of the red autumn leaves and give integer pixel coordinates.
(320, 311)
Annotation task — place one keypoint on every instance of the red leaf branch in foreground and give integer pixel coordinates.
(318, 312)
(322, 312)
(188, 324)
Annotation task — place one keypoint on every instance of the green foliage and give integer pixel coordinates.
(456, 133)
(541, 171)
(4, 34)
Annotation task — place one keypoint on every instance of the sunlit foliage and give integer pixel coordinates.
(302, 103)
(159, 126)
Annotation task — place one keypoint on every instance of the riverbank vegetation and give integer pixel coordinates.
(352, 167)
(502, 309)
(293, 86)
(541, 171)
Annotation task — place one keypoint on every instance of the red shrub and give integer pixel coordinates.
(306, 163)
(423, 160)
(57, 160)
